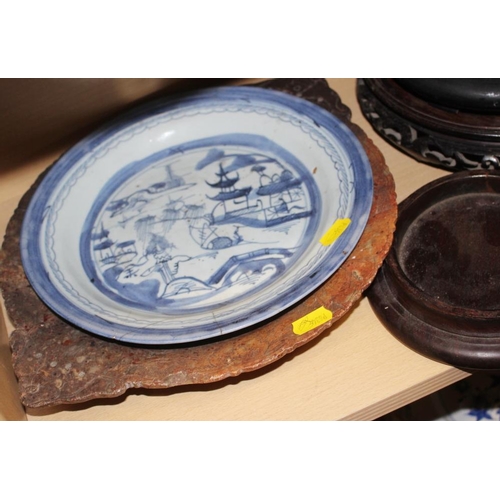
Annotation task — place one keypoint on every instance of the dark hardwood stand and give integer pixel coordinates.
(448, 123)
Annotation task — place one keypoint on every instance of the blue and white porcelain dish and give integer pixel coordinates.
(197, 216)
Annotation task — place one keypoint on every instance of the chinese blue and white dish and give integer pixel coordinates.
(195, 217)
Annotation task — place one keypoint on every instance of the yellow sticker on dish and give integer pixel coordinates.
(310, 321)
(336, 229)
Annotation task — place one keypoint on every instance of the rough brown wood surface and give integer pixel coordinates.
(56, 363)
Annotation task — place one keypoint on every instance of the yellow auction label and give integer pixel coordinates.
(336, 229)
(312, 320)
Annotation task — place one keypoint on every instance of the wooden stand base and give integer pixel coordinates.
(438, 288)
(443, 137)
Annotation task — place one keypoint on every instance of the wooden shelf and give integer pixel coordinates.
(355, 371)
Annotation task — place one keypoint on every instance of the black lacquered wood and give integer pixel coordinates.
(477, 95)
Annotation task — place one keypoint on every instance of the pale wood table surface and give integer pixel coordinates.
(356, 370)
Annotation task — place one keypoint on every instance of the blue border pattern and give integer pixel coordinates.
(311, 119)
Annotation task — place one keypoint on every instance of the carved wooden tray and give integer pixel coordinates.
(56, 363)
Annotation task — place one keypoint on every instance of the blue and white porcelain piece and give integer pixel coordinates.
(195, 217)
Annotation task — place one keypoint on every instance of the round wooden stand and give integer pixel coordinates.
(422, 118)
(439, 286)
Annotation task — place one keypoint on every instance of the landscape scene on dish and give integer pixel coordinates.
(203, 227)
